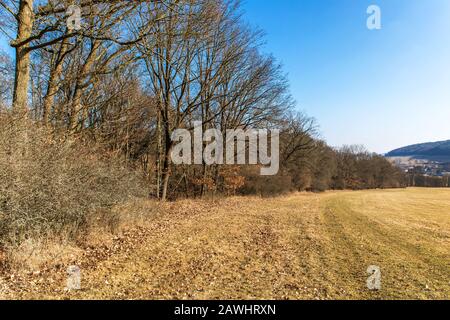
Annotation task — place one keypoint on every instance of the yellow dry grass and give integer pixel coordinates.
(301, 246)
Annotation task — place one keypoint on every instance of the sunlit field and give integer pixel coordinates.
(301, 246)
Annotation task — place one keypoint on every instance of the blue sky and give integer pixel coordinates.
(384, 88)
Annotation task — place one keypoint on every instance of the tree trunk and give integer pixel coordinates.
(204, 175)
(22, 72)
(159, 156)
(80, 85)
(166, 175)
(52, 87)
(167, 163)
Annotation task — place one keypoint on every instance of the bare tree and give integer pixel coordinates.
(45, 24)
(6, 80)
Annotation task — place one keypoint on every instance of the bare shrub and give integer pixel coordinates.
(51, 186)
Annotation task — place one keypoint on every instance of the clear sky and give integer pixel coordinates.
(382, 88)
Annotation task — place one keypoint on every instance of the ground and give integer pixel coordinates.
(301, 246)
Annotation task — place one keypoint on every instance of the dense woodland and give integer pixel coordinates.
(87, 115)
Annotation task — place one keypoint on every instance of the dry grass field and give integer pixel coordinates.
(301, 246)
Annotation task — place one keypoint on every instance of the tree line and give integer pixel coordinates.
(418, 178)
(138, 70)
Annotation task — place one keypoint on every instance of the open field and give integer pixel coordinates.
(302, 246)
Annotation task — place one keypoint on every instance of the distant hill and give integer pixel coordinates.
(438, 151)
